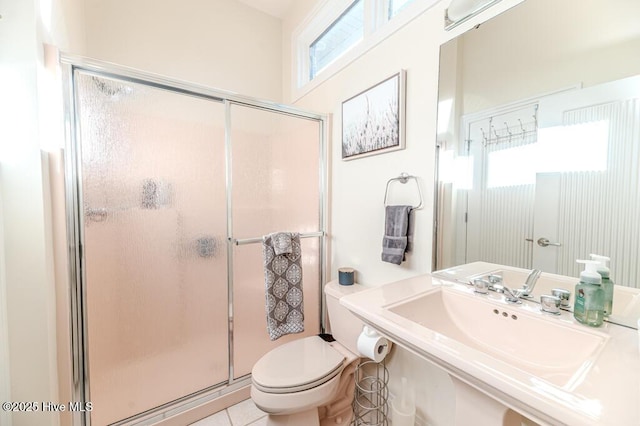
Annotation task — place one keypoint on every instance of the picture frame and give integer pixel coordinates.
(373, 120)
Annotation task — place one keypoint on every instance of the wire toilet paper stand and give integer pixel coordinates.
(370, 405)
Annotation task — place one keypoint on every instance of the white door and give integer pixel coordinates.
(498, 216)
(588, 202)
(545, 222)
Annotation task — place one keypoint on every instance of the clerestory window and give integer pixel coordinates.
(395, 6)
(340, 31)
(343, 33)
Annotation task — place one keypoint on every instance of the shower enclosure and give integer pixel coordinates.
(170, 187)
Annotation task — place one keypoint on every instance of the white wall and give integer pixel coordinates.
(31, 120)
(62, 24)
(358, 186)
(27, 272)
(223, 43)
(5, 378)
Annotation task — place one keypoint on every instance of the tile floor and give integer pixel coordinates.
(244, 413)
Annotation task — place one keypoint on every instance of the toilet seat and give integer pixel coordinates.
(297, 366)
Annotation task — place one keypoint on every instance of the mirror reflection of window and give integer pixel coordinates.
(512, 166)
(560, 149)
(578, 147)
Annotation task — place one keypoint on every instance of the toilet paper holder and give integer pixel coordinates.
(370, 402)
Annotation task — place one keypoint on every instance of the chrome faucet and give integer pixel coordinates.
(512, 296)
(495, 282)
(530, 282)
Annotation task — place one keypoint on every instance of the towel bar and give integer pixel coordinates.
(404, 178)
(259, 239)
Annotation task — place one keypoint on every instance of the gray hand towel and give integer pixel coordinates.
(396, 227)
(283, 287)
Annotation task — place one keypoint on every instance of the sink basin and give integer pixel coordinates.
(543, 346)
(500, 356)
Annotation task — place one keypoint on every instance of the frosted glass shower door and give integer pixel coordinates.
(276, 187)
(152, 168)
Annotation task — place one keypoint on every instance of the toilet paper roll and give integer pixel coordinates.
(372, 345)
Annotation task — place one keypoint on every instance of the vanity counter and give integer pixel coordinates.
(604, 391)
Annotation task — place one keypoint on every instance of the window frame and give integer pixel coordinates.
(352, 4)
(377, 27)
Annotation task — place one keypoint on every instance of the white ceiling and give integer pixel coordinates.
(277, 8)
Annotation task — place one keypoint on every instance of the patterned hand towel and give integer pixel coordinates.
(396, 226)
(282, 243)
(283, 284)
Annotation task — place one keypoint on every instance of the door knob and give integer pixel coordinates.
(544, 242)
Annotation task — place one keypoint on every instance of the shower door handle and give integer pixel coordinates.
(95, 215)
(207, 246)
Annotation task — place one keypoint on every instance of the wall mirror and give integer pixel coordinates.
(539, 140)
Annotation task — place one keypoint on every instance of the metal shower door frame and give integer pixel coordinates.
(75, 221)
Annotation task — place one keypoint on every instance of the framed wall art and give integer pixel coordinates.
(373, 120)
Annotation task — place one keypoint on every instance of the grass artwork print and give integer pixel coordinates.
(372, 121)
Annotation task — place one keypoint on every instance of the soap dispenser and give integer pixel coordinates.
(588, 307)
(607, 282)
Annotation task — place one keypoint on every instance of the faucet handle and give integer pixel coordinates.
(550, 304)
(481, 286)
(494, 278)
(499, 288)
(511, 296)
(563, 295)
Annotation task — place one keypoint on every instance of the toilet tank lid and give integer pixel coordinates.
(297, 363)
(333, 288)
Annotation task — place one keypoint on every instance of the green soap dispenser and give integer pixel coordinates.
(607, 282)
(588, 306)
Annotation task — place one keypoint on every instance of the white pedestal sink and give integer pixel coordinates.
(518, 338)
(527, 340)
(476, 408)
(505, 358)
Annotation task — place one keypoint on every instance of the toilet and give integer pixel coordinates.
(309, 381)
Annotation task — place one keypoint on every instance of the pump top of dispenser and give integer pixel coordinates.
(590, 274)
(603, 269)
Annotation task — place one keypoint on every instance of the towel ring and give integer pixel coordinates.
(404, 178)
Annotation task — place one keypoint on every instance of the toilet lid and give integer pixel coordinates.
(296, 366)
